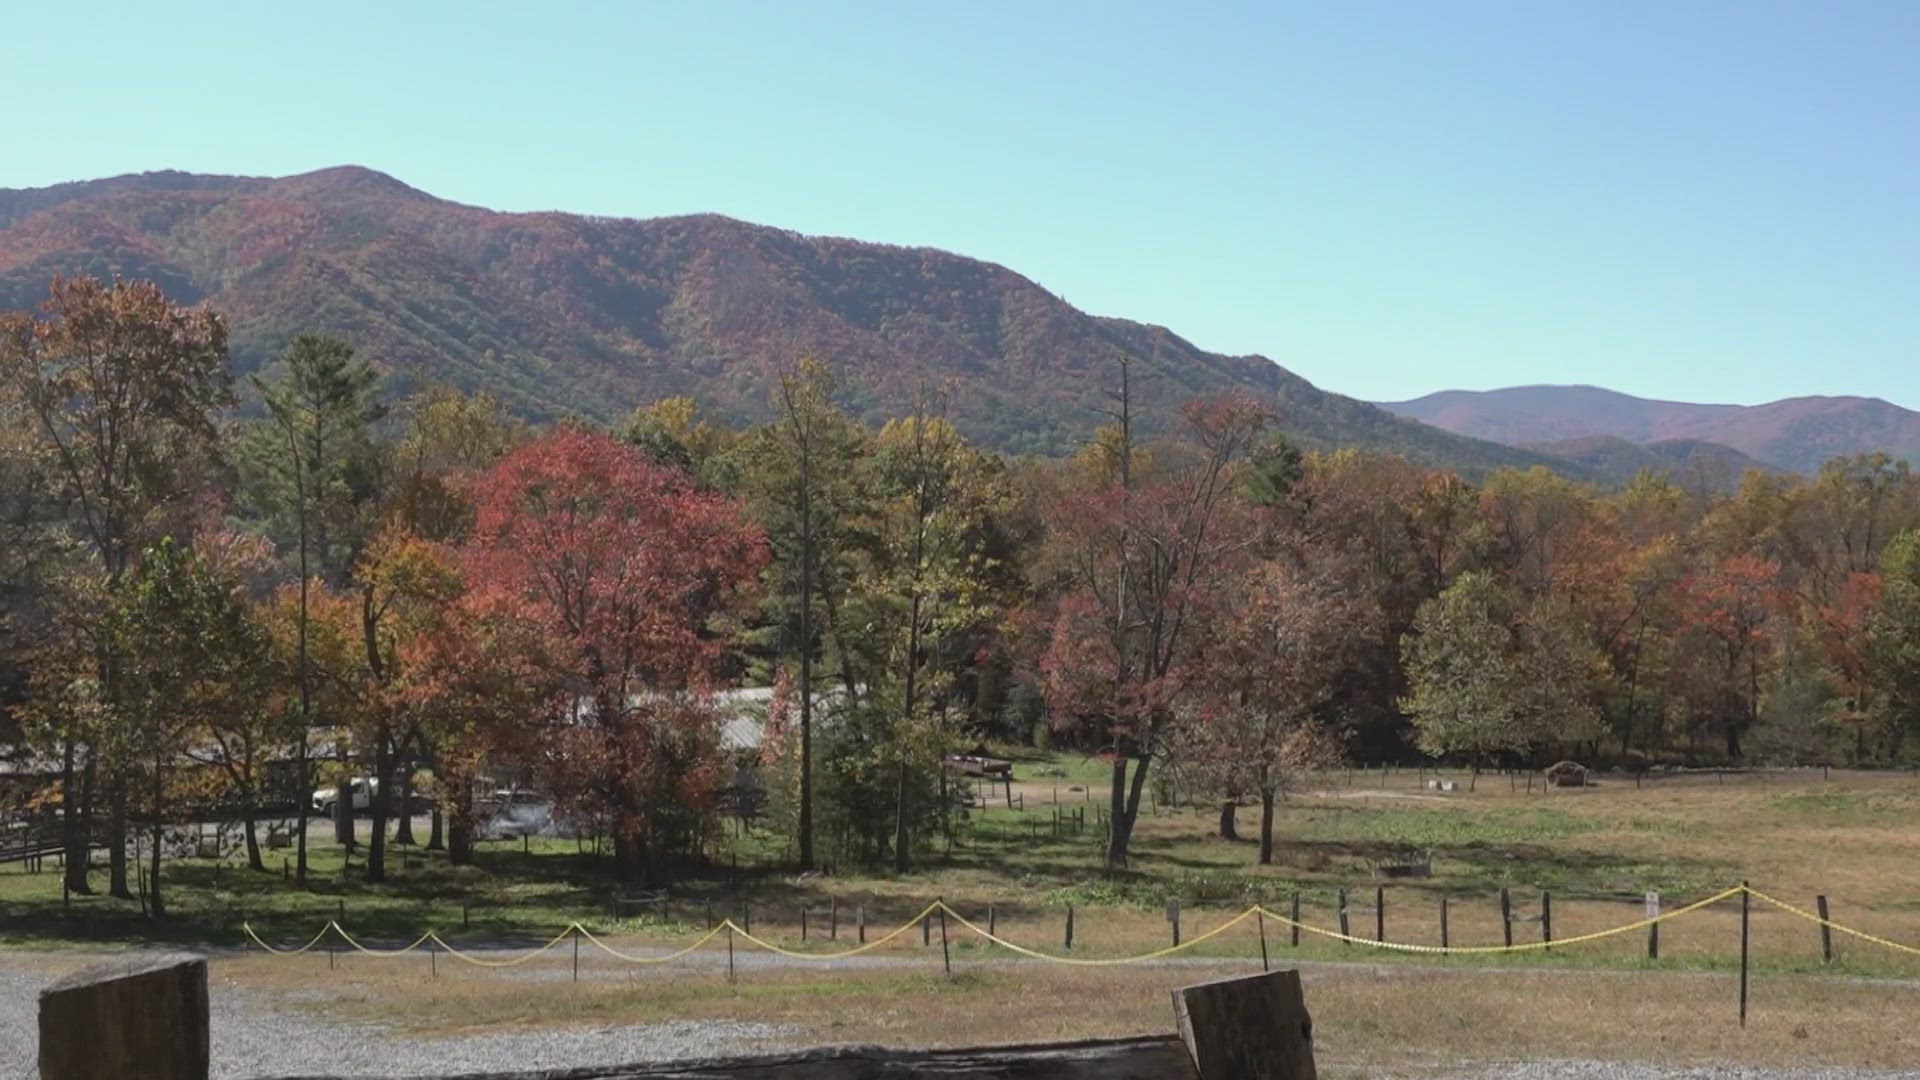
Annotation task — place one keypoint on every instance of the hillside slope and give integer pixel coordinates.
(1798, 434)
(1694, 464)
(561, 314)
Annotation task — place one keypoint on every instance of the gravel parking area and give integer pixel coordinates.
(1628, 1070)
(266, 1037)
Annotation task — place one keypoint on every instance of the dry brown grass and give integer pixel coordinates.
(1368, 1018)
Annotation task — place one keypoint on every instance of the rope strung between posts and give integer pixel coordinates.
(631, 959)
(855, 951)
(248, 928)
(1096, 961)
(1830, 924)
(511, 962)
(729, 927)
(359, 948)
(1525, 946)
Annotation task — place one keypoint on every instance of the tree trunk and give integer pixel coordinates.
(159, 905)
(117, 841)
(379, 785)
(459, 843)
(73, 826)
(300, 795)
(1266, 828)
(403, 827)
(343, 804)
(434, 825)
(1229, 829)
(806, 661)
(254, 861)
(1122, 838)
(460, 824)
(1116, 814)
(902, 851)
(626, 857)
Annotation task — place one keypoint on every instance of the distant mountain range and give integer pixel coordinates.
(1794, 434)
(560, 314)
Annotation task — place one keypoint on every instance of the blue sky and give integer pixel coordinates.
(1687, 199)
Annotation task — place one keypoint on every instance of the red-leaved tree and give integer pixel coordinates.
(623, 566)
(1145, 560)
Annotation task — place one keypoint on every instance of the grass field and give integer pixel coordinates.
(1853, 837)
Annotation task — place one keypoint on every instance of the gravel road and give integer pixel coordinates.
(1630, 1070)
(256, 1036)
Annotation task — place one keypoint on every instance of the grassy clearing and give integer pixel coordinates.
(1368, 1020)
(1851, 836)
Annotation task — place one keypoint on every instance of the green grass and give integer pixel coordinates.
(1684, 841)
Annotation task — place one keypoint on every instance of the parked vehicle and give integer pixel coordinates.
(361, 790)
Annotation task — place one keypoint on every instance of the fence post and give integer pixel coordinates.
(1826, 932)
(946, 957)
(576, 952)
(1295, 928)
(833, 918)
(746, 917)
(861, 915)
(1260, 921)
(1343, 918)
(1746, 906)
(1653, 929)
(433, 960)
(1173, 916)
(1546, 917)
(803, 920)
(1506, 916)
(1379, 913)
(1443, 925)
(1069, 927)
(993, 921)
(730, 976)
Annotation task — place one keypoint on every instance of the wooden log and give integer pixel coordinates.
(1251, 1028)
(1152, 1057)
(143, 1015)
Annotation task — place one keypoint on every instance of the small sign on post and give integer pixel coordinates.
(1173, 919)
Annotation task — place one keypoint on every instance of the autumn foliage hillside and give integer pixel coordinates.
(560, 314)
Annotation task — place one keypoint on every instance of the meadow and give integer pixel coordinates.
(1796, 835)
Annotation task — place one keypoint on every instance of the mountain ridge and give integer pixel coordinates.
(1797, 434)
(562, 314)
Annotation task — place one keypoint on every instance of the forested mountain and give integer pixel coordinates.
(1799, 434)
(1698, 466)
(561, 314)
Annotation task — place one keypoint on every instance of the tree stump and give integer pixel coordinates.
(143, 1015)
(1251, 1028)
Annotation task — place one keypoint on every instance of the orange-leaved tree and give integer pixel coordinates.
(624, 566)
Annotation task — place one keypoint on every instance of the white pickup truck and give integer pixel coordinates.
(326, 799)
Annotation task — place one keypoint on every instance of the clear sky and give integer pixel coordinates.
(1674, 198)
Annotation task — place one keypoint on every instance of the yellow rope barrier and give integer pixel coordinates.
(1094, 961)
(359, 948)
(521, 959)
(729, 926)
(1528, 946)
(842, 954)
(248, 928)
(1830, 924)
(631, 959)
